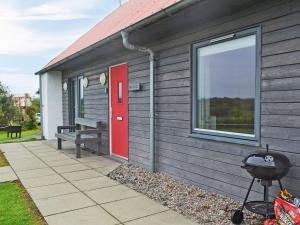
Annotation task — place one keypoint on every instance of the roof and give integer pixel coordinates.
(126, 15)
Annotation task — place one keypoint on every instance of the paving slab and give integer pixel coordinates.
(11, 147)
(57, 157)
(106, 170)
(70, 168)
(16, 156)
(52, 190)
(79, 175)
(43, 148)
(35, 173)
(29, 166)
(110, 194)
(6, 169)
(5, 177)
(42, 181)
(94, 183)
(48, 154)
(21, 162)
(164, 218)
(63, 162)
(63, 203)
(102, 163)
(88, 216)
(92, 158)
(33, 143)
(133, 208)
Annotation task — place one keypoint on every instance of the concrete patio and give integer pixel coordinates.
(70, 191)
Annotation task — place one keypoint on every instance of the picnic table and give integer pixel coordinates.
(17, 130)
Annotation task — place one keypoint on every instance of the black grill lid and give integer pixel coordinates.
(267, 160)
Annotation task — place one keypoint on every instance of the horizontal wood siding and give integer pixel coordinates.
(209, 164)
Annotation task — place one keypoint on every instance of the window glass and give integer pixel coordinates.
(120, 92)
(81, 98)
(75, 97)
(225, 99)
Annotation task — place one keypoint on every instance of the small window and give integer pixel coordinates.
(225, 100)
(81, 98)
(120, 92)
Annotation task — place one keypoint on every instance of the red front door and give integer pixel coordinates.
(119, 110)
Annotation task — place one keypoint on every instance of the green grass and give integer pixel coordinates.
(3, 161)
(16, 207)
(4, 139)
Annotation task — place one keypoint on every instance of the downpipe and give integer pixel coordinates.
(132, 47)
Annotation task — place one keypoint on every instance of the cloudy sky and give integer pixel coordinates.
(35, 31)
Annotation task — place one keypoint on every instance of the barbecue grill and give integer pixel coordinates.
(266, 167)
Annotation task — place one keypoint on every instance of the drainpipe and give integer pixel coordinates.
(132, 47)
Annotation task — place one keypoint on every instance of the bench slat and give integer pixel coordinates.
(81, 136)
(86, 122)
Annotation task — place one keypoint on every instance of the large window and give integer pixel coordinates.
(226, 86)
(76, 99)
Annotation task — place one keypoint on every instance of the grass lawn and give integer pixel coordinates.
(16, 207)
(4, 139)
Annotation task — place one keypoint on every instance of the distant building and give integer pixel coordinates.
(22, 101)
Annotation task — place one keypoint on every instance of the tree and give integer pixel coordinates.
(35, 103)
(31, 121)
(8, 112)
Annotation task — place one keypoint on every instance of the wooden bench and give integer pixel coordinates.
(80, 136)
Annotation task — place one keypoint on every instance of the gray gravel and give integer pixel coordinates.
(199, 205)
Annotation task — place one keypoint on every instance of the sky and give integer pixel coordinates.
(32, 32)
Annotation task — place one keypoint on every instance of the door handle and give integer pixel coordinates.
(119, 118)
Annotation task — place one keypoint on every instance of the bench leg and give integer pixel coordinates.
(78, 151)
(99, 143)
(59, 143)
(98, 150)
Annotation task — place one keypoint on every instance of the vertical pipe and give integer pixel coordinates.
(152, 121)
(132, 47)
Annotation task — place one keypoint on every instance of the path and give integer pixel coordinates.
(70, 191)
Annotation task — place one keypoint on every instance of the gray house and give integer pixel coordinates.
(216, 80)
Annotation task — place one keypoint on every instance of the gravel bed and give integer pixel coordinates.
(201, 206)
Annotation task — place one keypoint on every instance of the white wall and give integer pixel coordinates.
(51, 86)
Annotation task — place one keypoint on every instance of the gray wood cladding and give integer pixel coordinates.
(209, 164)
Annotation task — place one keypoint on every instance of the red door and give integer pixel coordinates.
(119, 110)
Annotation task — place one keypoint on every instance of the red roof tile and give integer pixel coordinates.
(130, 13)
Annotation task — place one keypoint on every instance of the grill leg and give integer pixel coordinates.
(266, 199)
(280, 184)
(248, 192)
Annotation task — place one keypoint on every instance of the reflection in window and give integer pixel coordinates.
(120, 92)
(226, 86)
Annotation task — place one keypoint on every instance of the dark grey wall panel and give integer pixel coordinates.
(209, 164)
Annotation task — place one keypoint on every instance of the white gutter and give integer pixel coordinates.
(132, 47)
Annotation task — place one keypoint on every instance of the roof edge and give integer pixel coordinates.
(167, 12)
